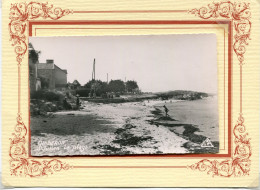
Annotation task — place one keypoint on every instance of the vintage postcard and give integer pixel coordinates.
(138, 94)
(120, 95)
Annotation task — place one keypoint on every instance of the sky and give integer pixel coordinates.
(157, 62)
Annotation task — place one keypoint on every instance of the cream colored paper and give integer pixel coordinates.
(239, 169)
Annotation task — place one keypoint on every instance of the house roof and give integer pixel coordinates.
(75, 82)
(45, 66)
(64, 70)
(50, 66)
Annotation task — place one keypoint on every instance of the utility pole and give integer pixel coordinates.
(125, 85)
(94, 78)
(107, 78)
(94, 69)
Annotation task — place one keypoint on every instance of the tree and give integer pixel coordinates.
(89, 84)
(131, 85)
(116, 86)
(33, 54)
(103, 88)
(97, 86)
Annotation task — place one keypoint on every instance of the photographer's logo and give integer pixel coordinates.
(206, 143)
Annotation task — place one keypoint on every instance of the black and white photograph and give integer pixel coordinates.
(123, 95)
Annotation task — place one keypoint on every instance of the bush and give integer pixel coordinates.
(47, 95)
(83, 92)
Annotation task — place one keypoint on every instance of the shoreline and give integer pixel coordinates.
(186, 131)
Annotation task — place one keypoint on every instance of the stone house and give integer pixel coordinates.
(52, 77)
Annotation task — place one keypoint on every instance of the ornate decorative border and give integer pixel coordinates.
(239, 14)
(20, 14)
(239, 164)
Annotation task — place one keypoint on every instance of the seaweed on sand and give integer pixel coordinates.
(125, 127)
(165, 118)
(107, 147)
(157, 111)
(131, 140)
(108, 150)
(126, 138)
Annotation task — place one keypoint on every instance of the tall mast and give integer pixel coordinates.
(94, 78)
(94, 69)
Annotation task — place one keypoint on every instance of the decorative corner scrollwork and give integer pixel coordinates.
(20, 163)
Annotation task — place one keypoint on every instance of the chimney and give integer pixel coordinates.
(49, 61)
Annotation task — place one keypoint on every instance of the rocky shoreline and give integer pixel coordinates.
(186, 131)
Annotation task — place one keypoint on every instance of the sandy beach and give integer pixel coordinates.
(127, 128)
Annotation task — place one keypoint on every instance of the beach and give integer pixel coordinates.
(127, 129)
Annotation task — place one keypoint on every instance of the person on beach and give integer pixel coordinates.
(66, 104)
(77, 101)
(166, 111)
